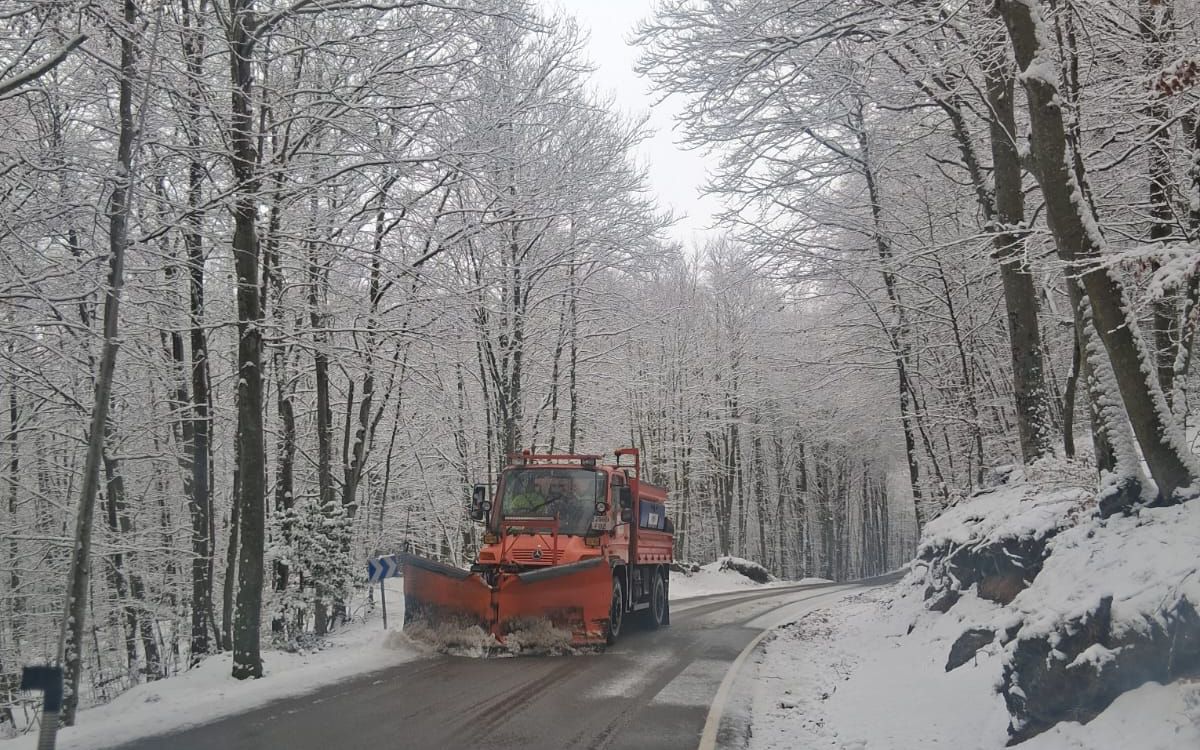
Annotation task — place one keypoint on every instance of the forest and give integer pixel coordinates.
(281, 280)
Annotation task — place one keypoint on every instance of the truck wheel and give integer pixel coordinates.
(658, 615)
(667, 599)
(616, 612)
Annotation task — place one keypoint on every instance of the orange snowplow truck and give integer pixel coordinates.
(567, 539)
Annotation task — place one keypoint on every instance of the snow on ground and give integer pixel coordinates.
(207, 692)
(1147, 563)
(850, 678)
(1152, 717)
(712, 579)
(870, 674)
(854, 678)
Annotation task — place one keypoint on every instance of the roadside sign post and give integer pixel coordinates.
(383, 603)
(379, 568)
(50, 681)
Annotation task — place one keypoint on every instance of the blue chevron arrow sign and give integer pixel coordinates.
(379, 568)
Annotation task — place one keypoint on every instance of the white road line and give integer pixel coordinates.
(690, 687)
(708, 738)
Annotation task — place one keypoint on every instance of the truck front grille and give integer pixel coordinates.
(525, 557)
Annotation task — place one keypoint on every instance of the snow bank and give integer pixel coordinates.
(997, 540)
(1147, 563)
(851, 678)
(1023, 510)
(751, 570)
(870, 674)
(208, 692)
(1152, 717)
(721, 577)
(1107, 612)
(1114, 608)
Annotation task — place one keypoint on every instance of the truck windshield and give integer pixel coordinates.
(569, 494)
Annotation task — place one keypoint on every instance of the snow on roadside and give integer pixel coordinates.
(871, 673)
(855, 678)
(711, 579)
(1146, 563)
(1152, 717)
(208, 692)
(851, 678)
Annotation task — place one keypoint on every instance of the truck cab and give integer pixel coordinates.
(558, 510)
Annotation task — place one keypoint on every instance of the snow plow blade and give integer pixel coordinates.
(574, 597)
(437, 594)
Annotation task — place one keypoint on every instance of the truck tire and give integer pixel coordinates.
(616, 612)
(658, 615)
(667, 608)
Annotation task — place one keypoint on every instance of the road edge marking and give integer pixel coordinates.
(708, 738)
(716, 712)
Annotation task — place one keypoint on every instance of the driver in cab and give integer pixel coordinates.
(527, 500)
(561, 498)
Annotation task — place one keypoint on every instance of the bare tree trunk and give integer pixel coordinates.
(1079, 244)
(801, 509)
(12, 439)
(70, 651)
(247, 656)
(228, 587)
(1020, 295)
(1154, 25)
(200, 497)
(324, 419)
(124, 617)
(364, 433)
(1068, 407)
(1191, 303)
(130, 588)
(573, 359)
(285, 393)
(968, 382)
(897, 330)
(759, 468)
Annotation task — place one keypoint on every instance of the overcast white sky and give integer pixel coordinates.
(676, 175)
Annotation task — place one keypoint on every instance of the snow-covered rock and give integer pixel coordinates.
(997, 539)
(1115, 607)
(721, 576)
(869, 674)
(748, 568)
(1026, 619)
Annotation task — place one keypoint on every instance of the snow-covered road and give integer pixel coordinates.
(654, 689)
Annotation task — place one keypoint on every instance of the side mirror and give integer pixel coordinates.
(626, 499)
(480, 505)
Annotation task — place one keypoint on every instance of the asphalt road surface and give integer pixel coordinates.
(654, 689)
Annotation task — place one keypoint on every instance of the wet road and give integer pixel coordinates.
(651, 690)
